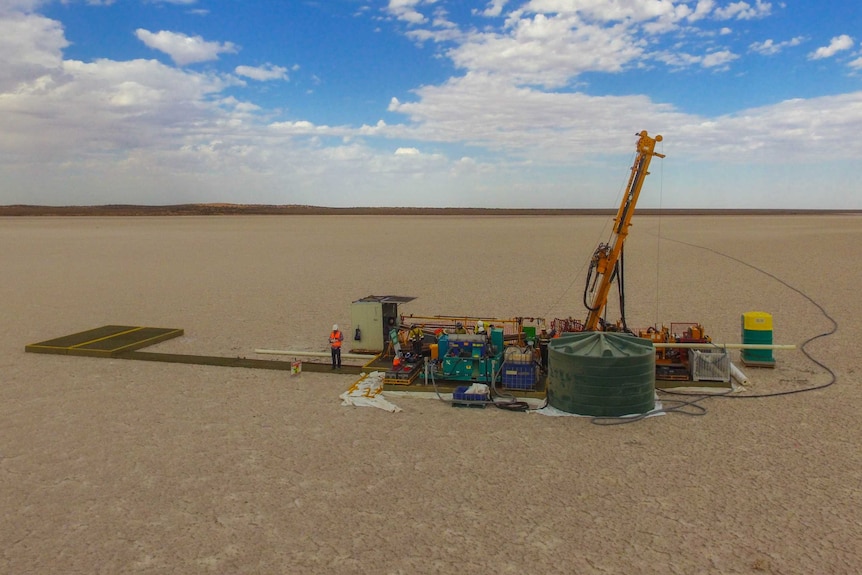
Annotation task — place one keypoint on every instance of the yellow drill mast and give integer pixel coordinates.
(606, 256)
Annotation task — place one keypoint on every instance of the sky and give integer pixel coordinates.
(430, 103)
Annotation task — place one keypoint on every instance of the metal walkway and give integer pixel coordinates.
(105, 341)
(123, 341)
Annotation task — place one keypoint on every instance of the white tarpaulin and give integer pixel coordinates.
(368, 392)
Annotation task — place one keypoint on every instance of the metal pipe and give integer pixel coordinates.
(313, 354)
(722, 346)
(737, 374)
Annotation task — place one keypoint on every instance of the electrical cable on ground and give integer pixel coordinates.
(834, 328)
(680, 406)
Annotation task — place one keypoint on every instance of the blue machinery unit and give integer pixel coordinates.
(485, 359)
(470, 357)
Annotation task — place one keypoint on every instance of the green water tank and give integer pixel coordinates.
(601, 374)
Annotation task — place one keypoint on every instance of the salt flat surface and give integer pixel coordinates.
(117, 466)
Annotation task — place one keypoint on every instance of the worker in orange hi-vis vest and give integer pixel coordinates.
(335, 339)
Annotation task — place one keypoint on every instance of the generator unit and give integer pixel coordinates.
(372, 317)
(470, 357)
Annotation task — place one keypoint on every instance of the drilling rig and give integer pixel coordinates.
(606, 266)
(606, 263)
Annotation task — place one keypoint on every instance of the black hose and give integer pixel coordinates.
(833, 378)
(681, 406)
(621, 289)
(587, 286)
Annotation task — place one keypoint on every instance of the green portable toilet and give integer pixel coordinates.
(757, 329)
(601, 374)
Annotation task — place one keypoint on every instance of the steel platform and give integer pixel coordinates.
(124, 341)
(105, 341)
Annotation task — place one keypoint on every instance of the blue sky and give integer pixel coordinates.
(441, 103)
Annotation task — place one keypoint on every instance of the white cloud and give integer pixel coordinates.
(262, 73)
(528, 124)
(767, 47)
(300, 127)
(552, 42)
(493, 9)
(701, 10)
(439, 28)
(770, 47)
(805, 130)
(447, 34)
(718, 59)
(29, 45)
(406, 10)
(60, 112)
(79, 109)
(489, 112)
(837, 44)
(20, 6)
(184, 49)
(678, 59)
(744, 10)
(856, 64)
(604, 11)
(548, 50)
(141, 131)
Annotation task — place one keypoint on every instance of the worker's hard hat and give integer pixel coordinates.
(480, 323)
(335, 327)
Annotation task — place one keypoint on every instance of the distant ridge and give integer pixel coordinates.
(275, 210)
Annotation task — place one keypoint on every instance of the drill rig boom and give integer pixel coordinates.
(604, 263)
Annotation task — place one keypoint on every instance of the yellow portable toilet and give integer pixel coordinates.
(757, 329)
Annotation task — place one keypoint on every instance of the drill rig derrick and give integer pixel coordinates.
(605, 264)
